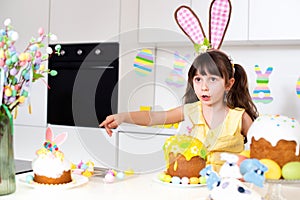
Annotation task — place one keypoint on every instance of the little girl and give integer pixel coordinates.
(218, 108)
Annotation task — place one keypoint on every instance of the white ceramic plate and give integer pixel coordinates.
(155, 179)
(77, 180)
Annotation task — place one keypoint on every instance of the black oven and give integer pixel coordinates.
(85, 90)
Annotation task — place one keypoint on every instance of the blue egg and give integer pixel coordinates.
(176, 180)
(29, 178)
(120, 175)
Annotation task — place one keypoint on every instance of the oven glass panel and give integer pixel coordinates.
(84, 91)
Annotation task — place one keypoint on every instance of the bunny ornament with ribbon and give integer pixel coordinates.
(219, 17)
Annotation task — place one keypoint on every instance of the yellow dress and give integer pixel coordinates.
(226, 137)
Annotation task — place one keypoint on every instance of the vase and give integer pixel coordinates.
(7, 163)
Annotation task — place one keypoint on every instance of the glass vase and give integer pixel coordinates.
(7, 164)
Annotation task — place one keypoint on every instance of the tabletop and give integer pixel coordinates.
(134, 187)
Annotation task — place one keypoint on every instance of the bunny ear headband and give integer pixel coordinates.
(219, 17)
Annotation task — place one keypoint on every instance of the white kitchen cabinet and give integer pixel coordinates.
(85, 21)
(26, 20)
(274, 21)
(142, 150)
(157, 22)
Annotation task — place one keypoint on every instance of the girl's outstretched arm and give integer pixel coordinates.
(143, 118)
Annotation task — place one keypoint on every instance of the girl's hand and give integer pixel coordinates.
(111, 122)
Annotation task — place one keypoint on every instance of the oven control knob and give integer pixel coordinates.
(79, 52)
(97, 51)
(62, 52)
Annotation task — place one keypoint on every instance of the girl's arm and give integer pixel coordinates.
(143, 118)
(246, 123)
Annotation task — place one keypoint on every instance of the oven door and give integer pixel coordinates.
(82, 94)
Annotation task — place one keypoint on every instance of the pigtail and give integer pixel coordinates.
(238, 95)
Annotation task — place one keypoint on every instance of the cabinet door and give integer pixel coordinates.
(82, 144)
(141, 152)
(238, 25)
(85, 21)
(274, 21)
(157, 22)
(26, 21)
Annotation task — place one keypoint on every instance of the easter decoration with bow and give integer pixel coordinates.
(219, 17)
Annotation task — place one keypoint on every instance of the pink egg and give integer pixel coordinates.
(109, 178)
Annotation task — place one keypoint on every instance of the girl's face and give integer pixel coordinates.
(209, 88)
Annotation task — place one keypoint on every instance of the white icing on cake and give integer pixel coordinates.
(274, 128)
(50, 164)
(233, 189)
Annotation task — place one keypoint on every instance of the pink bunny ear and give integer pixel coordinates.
(189, 23)
(49, 134)
(220, 12)
(59, 139)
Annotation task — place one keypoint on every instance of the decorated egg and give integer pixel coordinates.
(274, 170)
(245, 153)
(109, 178)
(175, 180)
(291, 170)
(194, 180)
(185, 180)
(29, 179)
(120, 175)
(167, 178)
(202, 180)
(143, 62)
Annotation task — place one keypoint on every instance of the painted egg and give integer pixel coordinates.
(202, 180)
(245, 153)
(194, 180)
(120, 175)
(109, 178)
(175, 180)
(167, 178)
(185, 180)
(143, 62)
(298, 87)
(291, 170)
(29, 179)
(274, 170)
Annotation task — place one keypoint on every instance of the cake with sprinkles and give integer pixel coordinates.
(275, 137)
(50, 166)
(185, 156)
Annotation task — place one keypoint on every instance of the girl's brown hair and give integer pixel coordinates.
(217, 63)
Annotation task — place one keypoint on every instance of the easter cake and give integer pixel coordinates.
(275, 137)
(50, 166)
(184, 155)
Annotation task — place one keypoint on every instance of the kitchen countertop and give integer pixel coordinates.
(139, 187)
